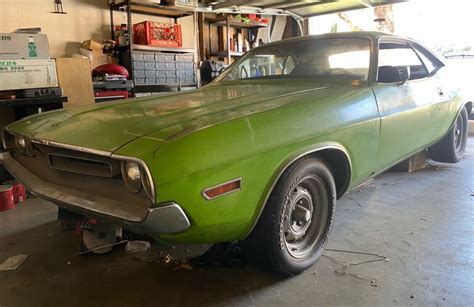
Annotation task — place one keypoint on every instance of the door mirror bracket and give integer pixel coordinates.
(404, 75)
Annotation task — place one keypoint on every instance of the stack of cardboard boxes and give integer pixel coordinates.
(25, 62)
(94, 51)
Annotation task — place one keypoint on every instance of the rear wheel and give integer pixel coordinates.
(294, 227)
(453, 146)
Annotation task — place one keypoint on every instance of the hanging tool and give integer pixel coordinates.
(58, 7)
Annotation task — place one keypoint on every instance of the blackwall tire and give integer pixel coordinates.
(293, 229)
(452, 147)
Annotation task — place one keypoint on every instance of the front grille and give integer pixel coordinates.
(86, 172)
(82, 164)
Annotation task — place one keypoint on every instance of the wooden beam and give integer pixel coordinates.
(306, 4)
(226, 4)
(355, 7)
(285, 5)
(202, 49)
(275, 4)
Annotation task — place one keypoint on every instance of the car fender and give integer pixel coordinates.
(290, 159)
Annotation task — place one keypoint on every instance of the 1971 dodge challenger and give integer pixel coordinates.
(259, 155)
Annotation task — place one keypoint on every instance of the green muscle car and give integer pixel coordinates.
(260, 155)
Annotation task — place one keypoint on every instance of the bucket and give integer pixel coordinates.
(19, 191)
(7, 200)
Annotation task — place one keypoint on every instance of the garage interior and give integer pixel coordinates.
(402, 238)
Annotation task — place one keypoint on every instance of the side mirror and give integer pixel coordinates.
(405, 74)
(391, 74)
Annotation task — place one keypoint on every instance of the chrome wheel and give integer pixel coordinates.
(305, 216)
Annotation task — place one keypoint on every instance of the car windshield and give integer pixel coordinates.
(328, 58)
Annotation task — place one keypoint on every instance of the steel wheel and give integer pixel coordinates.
(305, 217)
(458, 133)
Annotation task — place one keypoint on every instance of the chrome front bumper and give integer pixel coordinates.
(168, 218)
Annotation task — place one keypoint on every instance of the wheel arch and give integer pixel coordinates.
(336, 157)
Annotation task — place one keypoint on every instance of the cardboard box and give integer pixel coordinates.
(97, 58)
(27, 74)
(92, 45)
(20, 46)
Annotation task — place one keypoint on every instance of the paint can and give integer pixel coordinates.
(19, 191)
(7, 200)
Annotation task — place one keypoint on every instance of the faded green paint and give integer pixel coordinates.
(252, 129)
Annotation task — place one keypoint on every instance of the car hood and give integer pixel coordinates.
(109, 126)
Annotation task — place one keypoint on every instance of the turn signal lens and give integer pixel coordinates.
(222, 189)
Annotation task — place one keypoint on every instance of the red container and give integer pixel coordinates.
(157, 34)
(6, 197)
(19, 191)
(111, 94)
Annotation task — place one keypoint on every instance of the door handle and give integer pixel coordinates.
(440, 91)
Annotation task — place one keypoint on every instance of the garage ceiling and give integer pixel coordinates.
(304, 9)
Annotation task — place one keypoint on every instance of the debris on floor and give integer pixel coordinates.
(84, 250)
(13, 262)
(134, 247)
(183, 266)
(345, 265)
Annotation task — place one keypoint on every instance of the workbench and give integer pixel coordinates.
(28, 106)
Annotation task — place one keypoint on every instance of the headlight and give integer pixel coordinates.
(24, 145)
(148, 186)
(132, 176)
(21, 143)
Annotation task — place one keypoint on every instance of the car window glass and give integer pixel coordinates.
(430, 66)
(350, 60)
(402, 57)
(289, 65)
(338, 59)
(398, 57)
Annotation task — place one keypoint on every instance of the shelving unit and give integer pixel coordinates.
(230, 22)
(128, 54)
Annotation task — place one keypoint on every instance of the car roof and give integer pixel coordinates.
(357, 34)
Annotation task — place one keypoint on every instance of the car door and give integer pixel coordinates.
(440, 113)
(406, 108)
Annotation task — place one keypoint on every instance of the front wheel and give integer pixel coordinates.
(294, 227)
(453, 146)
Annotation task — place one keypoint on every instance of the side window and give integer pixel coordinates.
(430, 65)
(402, 57)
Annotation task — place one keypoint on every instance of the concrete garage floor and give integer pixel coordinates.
(423, 222)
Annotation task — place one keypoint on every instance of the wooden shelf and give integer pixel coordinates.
(236, 23)
(154, 9)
